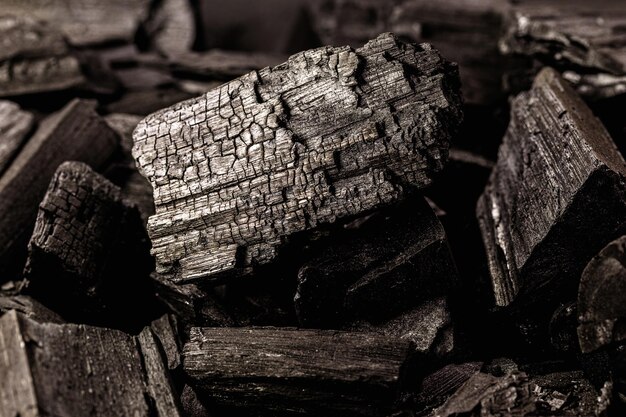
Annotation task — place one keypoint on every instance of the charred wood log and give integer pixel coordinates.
(70, 370)
(583, 40)
(555, 197)
(297, 372)
(15, 126)
(34, 58)
(88, 245)
(332, 132)
(602, 298)
(75, 133)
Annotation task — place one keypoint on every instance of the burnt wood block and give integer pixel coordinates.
(330, 133)
(283, 371)
(583, 40)
(70, 370)
(76, 133)
(34, 58)
(89, 254)
(555, 197)
(602, 298)
(29, 307)
(15, 126)
(400, 254)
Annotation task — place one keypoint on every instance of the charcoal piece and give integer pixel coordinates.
(72, 370)
(123, 170)
(165, 329)
(144, 102)
(401, 254)
(583, 40)
(466, 33)
(15, 126)
(438, 386)
(555, 197)
(84, 23)
(487, 395)
(75, 133)
(88, 245)
(602, 298)
(191, 404)
(171, 26)
(29, 307)
(296, 372)
(34, 57)
(330, 133)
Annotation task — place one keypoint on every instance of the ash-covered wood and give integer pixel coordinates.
(555, 197)
(76, 133)
(88, 255)
(584, 40)
(84, 23)
(34, 57)
(602, 298)
(70, 370)
(15, 126)
(237, 170)
(281, 371)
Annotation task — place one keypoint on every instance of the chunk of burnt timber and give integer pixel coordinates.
(15, 126)
(466, 33)
(75, 370)
(34, 57)
(582, 40)
(89, 254)
(123, 170)
(400, 254)
(332, 132)
(75, 133)
(29, 307)
(436, 387)
(84, 23)
(296, 372)
(555, 197)
(602, 298)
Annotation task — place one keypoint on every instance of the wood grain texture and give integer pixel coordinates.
(70, 370)
(602, 298)
(88, 255)
(555, 197)
(15, 126)
(34, 57)
(330, 133)
(84, 23)
(281, 371)
(583, 40)
(75, 133)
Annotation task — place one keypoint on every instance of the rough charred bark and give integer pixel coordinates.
(75, 133)
(69, 370)
(330, 133)
(296, 372)
(555, 197)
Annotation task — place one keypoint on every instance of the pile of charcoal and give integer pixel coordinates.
(326, 208)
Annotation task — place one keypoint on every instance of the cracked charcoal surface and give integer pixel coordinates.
(71, 370)
(555, 197)
(88, 246)
(296, 372)
(74, 133)
(330, 133)
(34, 58)
(15, 126)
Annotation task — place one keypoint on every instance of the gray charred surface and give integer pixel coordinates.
(555, 197)
(296, 372)
(88, 255)
(34, 58)
(330, 133)
(75, 133)
(15, 126)
(70, 370)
